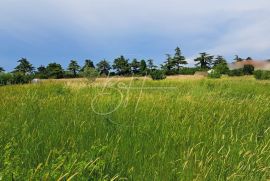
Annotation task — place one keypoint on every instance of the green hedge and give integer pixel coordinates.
(15, 78)
(262, 74)
(158, 75)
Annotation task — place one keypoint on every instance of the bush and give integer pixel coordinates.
(187, 71)
(222, 68)
(236, 72)
(248, 69)
(158, 75)
(16, 78)
(20, 78)
(5, 78)
(90, 73)
(262, 74)
(214, 74)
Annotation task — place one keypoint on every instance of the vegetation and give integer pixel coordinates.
(262, 75)
(2, 70)
(158, 75)
(103, 67)
(248, 69)
(90, 73)
(204, 61)
(236, 72)
(55, 71)
(74, 67)
(221, 65)
(197, 130)
(24, 67)
(214, 74)
(174, 65)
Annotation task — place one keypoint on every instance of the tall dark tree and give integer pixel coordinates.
(204, 61)
(2, 69)
(121, 66)
(42, 72)
(135, 66)
(238, 59)
(179, 59)
(74, 67)
(143, 67)
(150, 65)
(55, 70)
(219, 60)
(24, 67)
(88, 63)
(221, 65)
(168, 64)
(103, 67)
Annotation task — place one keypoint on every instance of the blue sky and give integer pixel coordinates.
(47, 31)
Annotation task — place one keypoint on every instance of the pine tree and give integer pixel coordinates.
(178, 59)
(73, 67)
(204, 60)
(24, 67)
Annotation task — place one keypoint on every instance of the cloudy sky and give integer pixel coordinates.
(47, 31)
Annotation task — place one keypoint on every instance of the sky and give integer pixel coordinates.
(46, 31)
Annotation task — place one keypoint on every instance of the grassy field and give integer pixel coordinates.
(174, 129)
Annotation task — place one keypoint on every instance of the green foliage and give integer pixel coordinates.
(178, 59)
(143, 67)
(204, 61)
(55, 71)
(121, 66)
(236, 72)
(187, 71)
(20, 78)
(103, 67)
(89, 64)
(214, 74)
(158, 75)
(248, 69)
(221, 65)
(6, 78)
(41, 73)
(262, 74)
(135, 66)
(2, 69)
(24, 67)
(90, 73)
(73, 67)
(150, 65)
(15, 78)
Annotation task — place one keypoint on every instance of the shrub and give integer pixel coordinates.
(236, 72)
(214, 74)
(20, 78)
(248, 69)
(187, 71)
(90, 73)
(262, 74)
(5, 78)
(158, 75)
(16, 78)
(222, 68)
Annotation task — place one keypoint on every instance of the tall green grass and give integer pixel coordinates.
(193, 130)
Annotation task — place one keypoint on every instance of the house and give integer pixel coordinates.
(257, 64)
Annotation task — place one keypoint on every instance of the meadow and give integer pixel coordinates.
(124, 129)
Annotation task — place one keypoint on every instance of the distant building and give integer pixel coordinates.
(258, 64)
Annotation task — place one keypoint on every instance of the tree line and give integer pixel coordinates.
(173, 65)
(121, 66)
